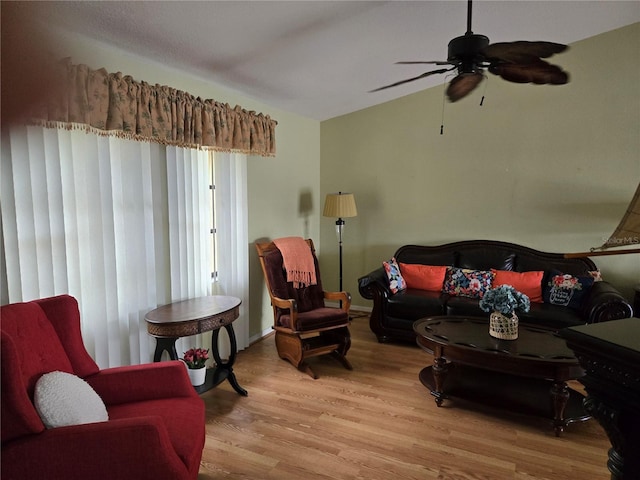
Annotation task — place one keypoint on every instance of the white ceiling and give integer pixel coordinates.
(320, 58)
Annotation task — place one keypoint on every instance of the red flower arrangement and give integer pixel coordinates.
(196, 357)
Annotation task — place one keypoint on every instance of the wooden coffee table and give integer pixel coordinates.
(526, 375)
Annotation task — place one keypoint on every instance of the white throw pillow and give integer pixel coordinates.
(63, 399)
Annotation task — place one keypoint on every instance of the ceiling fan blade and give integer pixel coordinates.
(521, 51)
(540, 73)
(433, 72)
(441, 62)
(463, 85)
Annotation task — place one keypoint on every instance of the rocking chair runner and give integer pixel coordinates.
(304, 326)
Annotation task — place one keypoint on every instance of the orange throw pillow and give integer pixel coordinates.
(423, 277)
(529, 283)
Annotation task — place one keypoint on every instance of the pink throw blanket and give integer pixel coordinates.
(297, 260)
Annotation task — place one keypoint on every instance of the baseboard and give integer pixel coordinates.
(353, 309)
(260, 336)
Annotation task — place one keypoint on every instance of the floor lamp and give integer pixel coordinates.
(340, 205)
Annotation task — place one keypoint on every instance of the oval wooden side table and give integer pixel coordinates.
(198, 315)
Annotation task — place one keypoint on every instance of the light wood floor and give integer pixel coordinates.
(377, 422)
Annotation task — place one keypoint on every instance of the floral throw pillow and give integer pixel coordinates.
(596, 275)
(463, 282)
(396, 282)
(566, 290)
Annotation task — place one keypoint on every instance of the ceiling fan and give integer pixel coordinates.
(471, 54)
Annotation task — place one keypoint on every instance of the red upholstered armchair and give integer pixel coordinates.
(156, 420)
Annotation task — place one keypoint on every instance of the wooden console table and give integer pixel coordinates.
(610, 354)
(190, 317)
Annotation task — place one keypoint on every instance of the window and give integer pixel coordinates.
(124, 227)
(120, 225)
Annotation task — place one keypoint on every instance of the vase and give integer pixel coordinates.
(197, 375)
(503, 327)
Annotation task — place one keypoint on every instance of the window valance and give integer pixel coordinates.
(116, 104)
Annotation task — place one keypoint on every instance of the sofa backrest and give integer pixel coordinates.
(32, 345)
(487, 254)
(64, 314)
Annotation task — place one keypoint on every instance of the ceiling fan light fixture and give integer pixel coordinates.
(468, 46)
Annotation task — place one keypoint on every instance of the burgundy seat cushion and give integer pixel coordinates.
(319, 318)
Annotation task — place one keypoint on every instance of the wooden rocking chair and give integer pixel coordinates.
(304, 326)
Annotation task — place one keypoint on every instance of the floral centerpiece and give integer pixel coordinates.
(506, 300)
(196, 357)
(503, 302)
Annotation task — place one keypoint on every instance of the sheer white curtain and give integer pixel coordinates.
(113, 222)
(232, 238)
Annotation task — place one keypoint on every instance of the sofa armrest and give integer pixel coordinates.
(606, 303)
(124, 448)
(374, 283)
(136, 383)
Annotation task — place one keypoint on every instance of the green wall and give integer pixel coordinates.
(549, 167)
(284, 192)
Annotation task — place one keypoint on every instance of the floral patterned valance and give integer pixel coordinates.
(113, 104)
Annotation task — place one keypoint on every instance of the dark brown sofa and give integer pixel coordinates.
(393, 315)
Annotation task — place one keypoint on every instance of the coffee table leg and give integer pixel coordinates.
(439, 372)
(560, 397)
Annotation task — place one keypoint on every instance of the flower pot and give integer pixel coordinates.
(503, 327)
(197, 375)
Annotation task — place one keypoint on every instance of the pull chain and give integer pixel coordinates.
(444, 94)
(486, 83)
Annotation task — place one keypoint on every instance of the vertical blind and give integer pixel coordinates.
(232, 236)
(123, 226)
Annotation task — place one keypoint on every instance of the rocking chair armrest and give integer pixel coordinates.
(344, 297)
(289, 303)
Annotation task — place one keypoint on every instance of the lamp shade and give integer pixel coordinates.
(340, 205)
